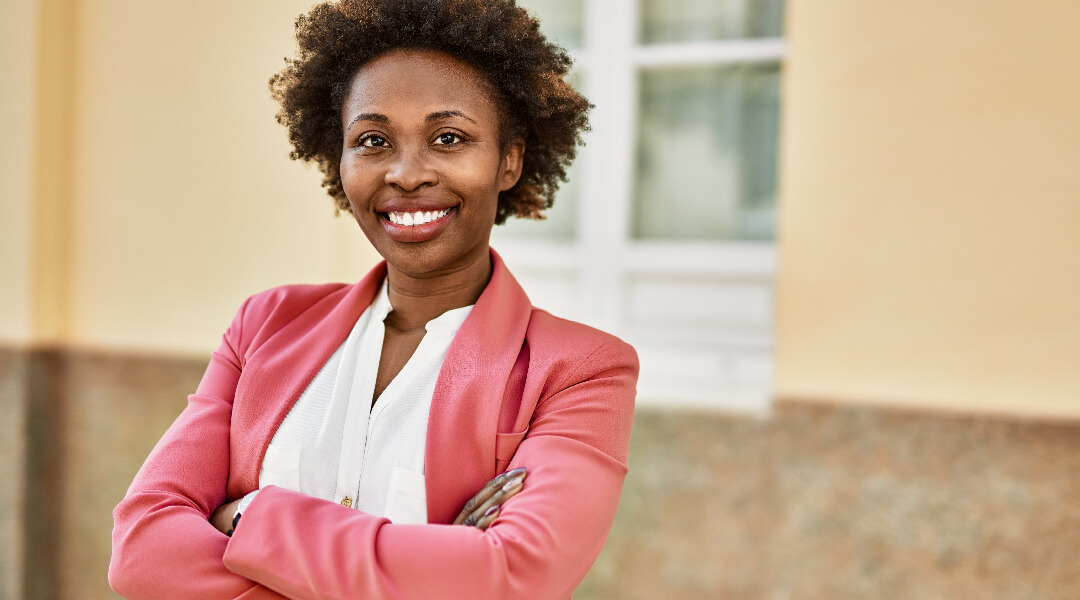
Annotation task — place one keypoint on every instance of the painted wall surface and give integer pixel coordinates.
(185, 200)
(162, 194)
(18, 41)
(928, 191)
(931, 205)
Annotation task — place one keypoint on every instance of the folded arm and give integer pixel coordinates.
(290, 545)
(163, 543)
(164, 546)
(540, 546)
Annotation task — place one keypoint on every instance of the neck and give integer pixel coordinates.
(419, 299)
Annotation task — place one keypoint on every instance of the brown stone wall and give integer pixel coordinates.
(824, 501)
(13, 377)
(89, 421)
(816, 501)
(116, 410)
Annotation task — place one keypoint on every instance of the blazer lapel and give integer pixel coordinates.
(464, 418)
(282, 367)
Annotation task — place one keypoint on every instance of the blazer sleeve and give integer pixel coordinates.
(164, 546)
(540, 547)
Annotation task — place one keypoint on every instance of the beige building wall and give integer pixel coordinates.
(931, 205)
(928, 189)
(18, 62)
(161, 192)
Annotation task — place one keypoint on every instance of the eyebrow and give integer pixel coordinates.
(435, 116)
(445, 114)
(377, 117)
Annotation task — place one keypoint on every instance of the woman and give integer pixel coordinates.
(371, 440)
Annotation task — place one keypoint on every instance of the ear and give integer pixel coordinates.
(510, 168)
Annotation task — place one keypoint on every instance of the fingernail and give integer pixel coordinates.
(510, 485)
(516, 472)
(492, 510)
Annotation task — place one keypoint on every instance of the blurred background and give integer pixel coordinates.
(844, 237)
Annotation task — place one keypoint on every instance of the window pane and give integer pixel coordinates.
(706, 158)
(561, 20)
(665, 21)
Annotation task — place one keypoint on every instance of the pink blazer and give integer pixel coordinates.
(519, 387)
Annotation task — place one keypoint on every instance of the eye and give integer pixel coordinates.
(372, 140)
(448, 138)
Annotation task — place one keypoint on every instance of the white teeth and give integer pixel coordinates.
(410, 219)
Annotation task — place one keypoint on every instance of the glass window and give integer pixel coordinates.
(665, 21)
(706, 161)
(680, 170)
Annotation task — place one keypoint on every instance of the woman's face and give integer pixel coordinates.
(421, 163)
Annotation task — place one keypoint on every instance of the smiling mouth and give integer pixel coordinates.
(420, 217)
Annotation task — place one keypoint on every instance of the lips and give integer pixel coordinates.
(416, 218)
(414, 224)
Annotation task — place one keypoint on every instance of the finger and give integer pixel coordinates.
(489, 517)
(485, 493)
(482, 496)
(507, 491)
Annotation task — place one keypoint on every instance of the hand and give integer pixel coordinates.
(485, 506)
(223, 517)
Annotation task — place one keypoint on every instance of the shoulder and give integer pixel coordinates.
(573, 351)
(296, 297)
(555, 346)
(566, 336)
(285, 302)
(268, 311)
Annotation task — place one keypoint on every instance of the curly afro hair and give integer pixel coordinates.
(498, 38)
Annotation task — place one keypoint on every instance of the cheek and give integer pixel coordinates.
(482, 179)
(357, 183)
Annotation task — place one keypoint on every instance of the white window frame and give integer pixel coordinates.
(679, 365)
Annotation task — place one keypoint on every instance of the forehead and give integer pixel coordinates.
(405, 81)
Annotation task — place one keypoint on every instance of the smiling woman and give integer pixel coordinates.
(438, 153)
(373, 440)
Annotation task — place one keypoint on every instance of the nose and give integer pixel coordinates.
(410, 170)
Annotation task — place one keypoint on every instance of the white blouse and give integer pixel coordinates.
(335, 445)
